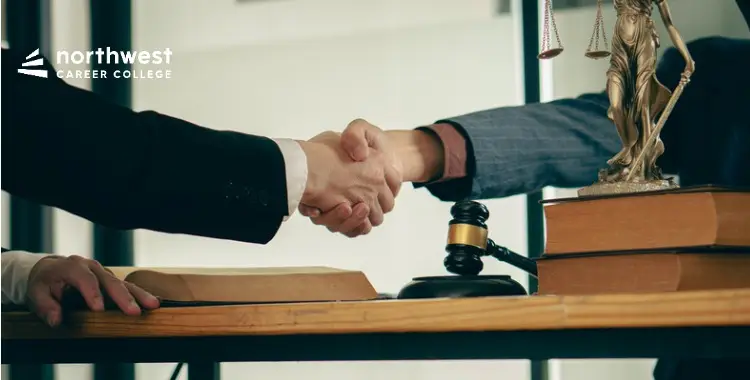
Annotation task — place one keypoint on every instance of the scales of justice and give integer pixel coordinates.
(636, 96)
(639, 108)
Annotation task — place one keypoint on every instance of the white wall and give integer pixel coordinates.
(293, 68)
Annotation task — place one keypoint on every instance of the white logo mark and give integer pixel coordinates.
(42, 73)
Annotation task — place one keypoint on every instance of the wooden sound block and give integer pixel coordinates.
(250, 285)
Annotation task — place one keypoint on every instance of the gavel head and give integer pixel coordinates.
(467, 238)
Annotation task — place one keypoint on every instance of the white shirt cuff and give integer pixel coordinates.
(295, 164)
(16, 267)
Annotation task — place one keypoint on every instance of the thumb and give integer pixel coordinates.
(309, 211)
(45, 306)
(358, 137)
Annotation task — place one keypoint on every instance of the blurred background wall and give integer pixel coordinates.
(293, 68)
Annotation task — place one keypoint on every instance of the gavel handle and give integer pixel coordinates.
(506, 255)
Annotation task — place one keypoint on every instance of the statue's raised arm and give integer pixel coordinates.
(674, 35)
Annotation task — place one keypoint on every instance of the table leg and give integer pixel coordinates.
(539, 370)
(31, 372)
(114, 371)
(204, 371)
(697, 368)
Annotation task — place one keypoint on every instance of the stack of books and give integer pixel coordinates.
(685, 239)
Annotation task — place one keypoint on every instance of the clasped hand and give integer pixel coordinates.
(353, 179)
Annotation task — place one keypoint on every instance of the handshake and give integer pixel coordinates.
(355, 176)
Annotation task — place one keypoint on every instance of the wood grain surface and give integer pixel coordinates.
(679, 309)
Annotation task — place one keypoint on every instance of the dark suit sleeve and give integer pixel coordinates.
(516, 150)
(563, 143)
(68, 148)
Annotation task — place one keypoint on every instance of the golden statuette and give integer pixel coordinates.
(636, 96)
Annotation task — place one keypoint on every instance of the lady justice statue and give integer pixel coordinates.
(636, 96)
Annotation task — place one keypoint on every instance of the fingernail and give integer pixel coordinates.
(133, 306)
(52, 319)
(149, 302)
(361, 212)
(98, 304)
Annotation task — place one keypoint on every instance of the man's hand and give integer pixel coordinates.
(417, 156)
(53, 275)
(355, 187)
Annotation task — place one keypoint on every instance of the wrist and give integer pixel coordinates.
(421, 154)
(314, 184)
(295, 172)
(309, 149)
(17, 269)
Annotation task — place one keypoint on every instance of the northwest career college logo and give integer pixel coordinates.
(42, 73)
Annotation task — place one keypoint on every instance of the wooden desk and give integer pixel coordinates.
(686, 324)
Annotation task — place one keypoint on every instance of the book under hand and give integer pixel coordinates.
(250, 285)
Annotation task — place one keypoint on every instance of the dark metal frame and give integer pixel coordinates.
(532, 94)
(206, 353)
(27, 27)
(204, 370)
(111, 26)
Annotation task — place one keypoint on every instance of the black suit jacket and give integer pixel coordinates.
(69, 148)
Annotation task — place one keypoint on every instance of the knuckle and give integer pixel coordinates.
(35, 289)
(356, 123)
(95, 264)
(69, 264)
(90, 276)
(122, 285)
(125, 285)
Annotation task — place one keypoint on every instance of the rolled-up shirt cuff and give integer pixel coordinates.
(16, 267)
(295, 165)
(454, 149)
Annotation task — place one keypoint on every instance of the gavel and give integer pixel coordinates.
(468, 242)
